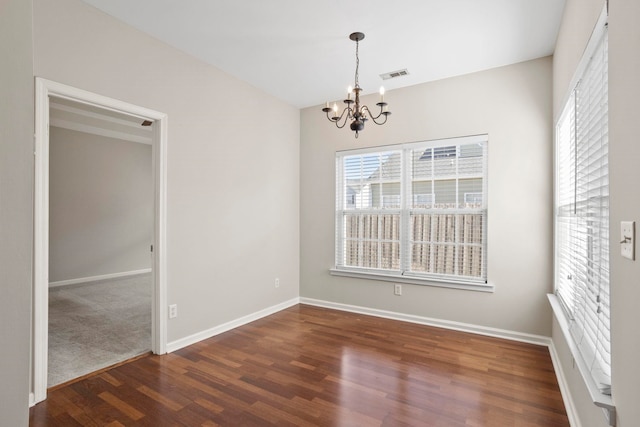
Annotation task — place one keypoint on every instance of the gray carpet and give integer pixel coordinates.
(95, 325)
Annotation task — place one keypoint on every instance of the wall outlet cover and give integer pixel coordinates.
(173, 311)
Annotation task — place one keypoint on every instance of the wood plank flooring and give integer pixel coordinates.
(310, 366)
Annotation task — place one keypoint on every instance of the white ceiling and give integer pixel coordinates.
(299, 50)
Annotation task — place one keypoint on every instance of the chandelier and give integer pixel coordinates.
(353, 111)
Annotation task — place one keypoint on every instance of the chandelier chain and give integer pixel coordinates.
(357, 63)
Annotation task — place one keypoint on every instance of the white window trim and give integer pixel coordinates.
(385, 276)
(398, 276)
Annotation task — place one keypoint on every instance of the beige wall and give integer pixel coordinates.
(100, 205)
(232, 161)
(513, 105)
(624, 157)
(16, 204)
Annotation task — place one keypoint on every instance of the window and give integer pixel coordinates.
(414, 210)
(582, 214)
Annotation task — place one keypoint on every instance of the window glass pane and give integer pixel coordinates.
(428, 230)
(445, 193)
(390, 167)
(357, 196)
(386, 195)
(422, 194)
(470, 260)
(421, 258)
(470, 193)
(444, 161)
(372, 240)
(372, 181)
(390, 256)
(422, 165)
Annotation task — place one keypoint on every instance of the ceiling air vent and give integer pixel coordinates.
(394, 74)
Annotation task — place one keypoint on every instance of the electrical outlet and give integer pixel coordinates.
(277, 282)
(173, 311)
(397, 289)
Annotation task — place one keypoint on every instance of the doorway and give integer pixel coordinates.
(46, 93)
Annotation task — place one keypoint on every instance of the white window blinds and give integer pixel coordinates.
(369, 196)
(582, 214)
(414, 210)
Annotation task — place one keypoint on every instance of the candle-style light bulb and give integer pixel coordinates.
(335, 110)
(349, 90)
(381, 94)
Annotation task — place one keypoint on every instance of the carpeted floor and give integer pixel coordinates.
(95, 325)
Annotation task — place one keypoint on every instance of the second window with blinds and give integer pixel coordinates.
(414, 211)
(582, 212)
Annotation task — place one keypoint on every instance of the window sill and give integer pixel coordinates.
(396, 278)
(601, 400)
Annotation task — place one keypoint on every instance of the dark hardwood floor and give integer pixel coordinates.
(309, 366)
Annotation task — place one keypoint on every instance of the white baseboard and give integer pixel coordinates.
(447, 324)
(97, 278)
(569, 405)
(32, 400)
(216, 330)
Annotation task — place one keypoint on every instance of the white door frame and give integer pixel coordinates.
(46, 89)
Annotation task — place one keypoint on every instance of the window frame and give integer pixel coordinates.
(407, 208)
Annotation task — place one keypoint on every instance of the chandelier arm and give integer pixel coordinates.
(339, 118)
(375, 118)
